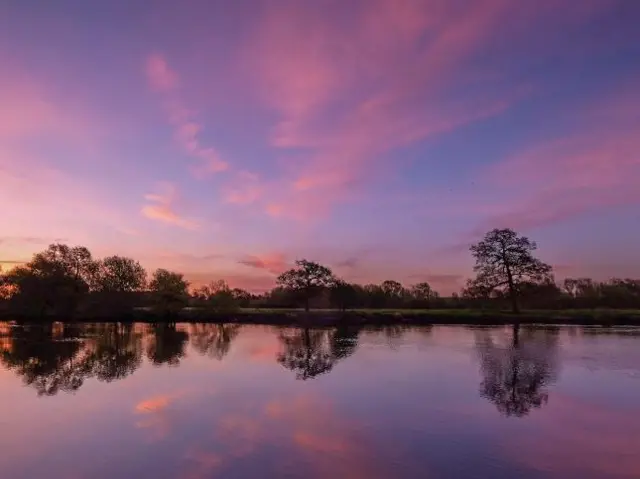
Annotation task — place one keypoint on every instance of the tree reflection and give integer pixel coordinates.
(116, 352)
(57, 357)
(166, 344)
(213, 340)
(516, 375)
(46, 358)
(344, 341)
(310, 353)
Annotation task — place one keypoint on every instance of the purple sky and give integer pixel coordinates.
(381, 137)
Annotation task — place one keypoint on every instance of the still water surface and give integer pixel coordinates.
(200, 401)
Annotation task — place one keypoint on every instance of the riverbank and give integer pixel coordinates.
(369, 317)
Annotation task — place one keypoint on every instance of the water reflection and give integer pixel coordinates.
(115, 353)
(46, 358)
(166, 344)
(59, 357)
(234, 409)
(213, 340)
(516, 374)
(310, 353)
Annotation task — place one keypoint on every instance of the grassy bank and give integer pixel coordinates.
(364, 317)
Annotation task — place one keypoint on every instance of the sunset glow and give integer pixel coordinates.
(379, 137)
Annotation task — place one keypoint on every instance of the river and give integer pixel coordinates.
(206, 400)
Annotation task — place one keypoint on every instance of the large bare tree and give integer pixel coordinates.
(505, 262)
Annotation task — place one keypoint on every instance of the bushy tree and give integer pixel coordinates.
(118, 274)
(422, 295)
(116, 286)
(374, 296)
(241, 297)
(53, 282)
(307, 279)
(169, 291)
(343, 295)
(394, 293)
(216, 295)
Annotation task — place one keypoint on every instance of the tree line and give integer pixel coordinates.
(65, 281)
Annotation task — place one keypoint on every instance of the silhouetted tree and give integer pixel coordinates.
(541, 295)
(241, 297)
(76, 262)
(169, 291)
(422, 294)
(516, 376)
(216, 296)
(394, 293)
(504, 261)
(343, 295)
(116, 286)
(620, 293)
(307, 279)
(48, 284)
(375, 297)
(119, 274)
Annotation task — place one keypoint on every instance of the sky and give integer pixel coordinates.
(379, 137)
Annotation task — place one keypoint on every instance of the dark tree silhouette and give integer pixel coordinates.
(116, 287)
(343, 295)
(76, 262)
(169, 291)
(53, 282)
(422, 294)
(166, 344)
(217, 296)
(213, 340)
(375, 296)
(118, 274)
(516, 376)
(504, 261)
(394, 293)
(307, 279)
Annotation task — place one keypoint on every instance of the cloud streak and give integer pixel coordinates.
(188, 130)
(274, 263)
(161, 207)
(348, 107)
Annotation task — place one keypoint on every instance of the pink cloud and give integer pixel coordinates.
(187, 131)
(160, 76)
(347, 91)
(154, 404)
(162, 208)
(275, 263)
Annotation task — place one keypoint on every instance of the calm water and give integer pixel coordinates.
(199, 401)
